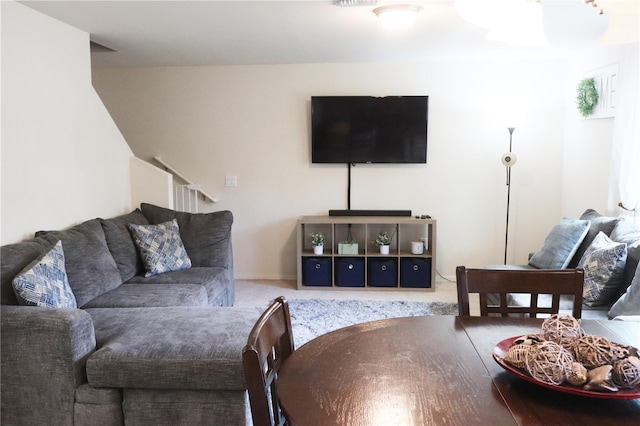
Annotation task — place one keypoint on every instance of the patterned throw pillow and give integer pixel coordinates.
(44, 282)
(603, 265)
(160, 247)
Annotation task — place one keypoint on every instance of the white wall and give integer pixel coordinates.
(253, 122)
(588, 142)
(63, 158)
(149, 184)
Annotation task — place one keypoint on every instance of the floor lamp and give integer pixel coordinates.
(508, 160)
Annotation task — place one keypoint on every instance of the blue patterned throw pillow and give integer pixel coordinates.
(44, 282)
(603, 263)
(160, 247)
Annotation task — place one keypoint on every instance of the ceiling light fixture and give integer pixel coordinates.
(397, 16)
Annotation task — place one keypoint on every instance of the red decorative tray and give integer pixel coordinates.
(501, 349)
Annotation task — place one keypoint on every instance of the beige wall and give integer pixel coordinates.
(63, 158)
(253, 122)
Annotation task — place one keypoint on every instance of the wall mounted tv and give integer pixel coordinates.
(367, 129)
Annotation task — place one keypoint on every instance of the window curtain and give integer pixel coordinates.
(624, 188)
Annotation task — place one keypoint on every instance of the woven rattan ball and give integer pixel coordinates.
(578, 375)
(549, 362)
(626, 372)
(593, 351)
(562, 329)
(516, 355)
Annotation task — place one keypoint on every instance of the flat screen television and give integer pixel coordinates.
(367, 129)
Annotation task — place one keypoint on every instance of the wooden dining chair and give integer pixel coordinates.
(503, 282)
(270, 343)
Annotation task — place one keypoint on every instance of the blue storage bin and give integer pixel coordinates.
(415, 272)
(383, 272)
(316, 271)
(349, 272)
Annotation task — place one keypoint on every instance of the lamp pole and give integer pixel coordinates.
(506, 233)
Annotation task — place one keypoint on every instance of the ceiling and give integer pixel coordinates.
(183, 33)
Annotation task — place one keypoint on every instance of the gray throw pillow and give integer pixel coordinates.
(90, 267)
(44, 282)
(121, 245)
(603, 265)
(629, 233)
(599, 224)
(561, 244)
(206, 236)
(160, 247)
(629, 302)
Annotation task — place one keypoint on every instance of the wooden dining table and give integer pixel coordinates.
(436, 370)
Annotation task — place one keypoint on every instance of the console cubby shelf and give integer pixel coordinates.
(366, 269)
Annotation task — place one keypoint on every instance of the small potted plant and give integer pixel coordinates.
(383, 240)
(317, 241)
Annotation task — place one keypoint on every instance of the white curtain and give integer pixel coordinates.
(625, 162)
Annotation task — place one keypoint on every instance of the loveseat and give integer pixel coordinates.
(142, 333)
(608, 249)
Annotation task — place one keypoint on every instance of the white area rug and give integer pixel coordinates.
(313, 317)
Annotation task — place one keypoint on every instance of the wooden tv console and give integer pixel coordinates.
(368, 269)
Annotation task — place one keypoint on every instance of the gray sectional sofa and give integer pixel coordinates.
(608, 248)
(137, 350)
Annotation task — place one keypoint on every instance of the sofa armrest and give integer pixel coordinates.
(43, 357)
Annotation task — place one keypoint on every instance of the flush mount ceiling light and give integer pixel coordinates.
(397, 16)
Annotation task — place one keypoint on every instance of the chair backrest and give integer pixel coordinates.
(502, 282)
(270, 343)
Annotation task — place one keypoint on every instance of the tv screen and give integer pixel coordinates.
(366, 129)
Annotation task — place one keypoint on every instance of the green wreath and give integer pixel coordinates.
(587, 96)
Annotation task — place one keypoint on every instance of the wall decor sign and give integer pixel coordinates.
(601, 104)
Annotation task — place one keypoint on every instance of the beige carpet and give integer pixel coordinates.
(261, 292)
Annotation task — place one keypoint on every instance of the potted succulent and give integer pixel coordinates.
(383, 240)
(317, 241)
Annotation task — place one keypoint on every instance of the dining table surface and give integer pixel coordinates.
(436, 370)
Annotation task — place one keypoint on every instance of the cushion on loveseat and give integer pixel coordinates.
(90, 267)
(170, 348)
(561, 244)
(152, 296)
(603, 265)
(120, 242)
(628, 233)
(206, 236)
(215, 281)
(629, 302)
(598, 223)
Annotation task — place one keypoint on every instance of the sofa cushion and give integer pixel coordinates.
(14, 258)
(561, 244)
(599, 224)
(170, 348)
(628, 233)
(160, 247)
(214, 280)
(91, 269)
(629, 302)
(206, 236)
(152, 295)
(603, 265)
(44, 282)
(120, 242)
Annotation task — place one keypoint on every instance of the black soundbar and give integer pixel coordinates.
(369, 212)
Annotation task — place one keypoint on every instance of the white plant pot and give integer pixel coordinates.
(384, 249)
(318, 249)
